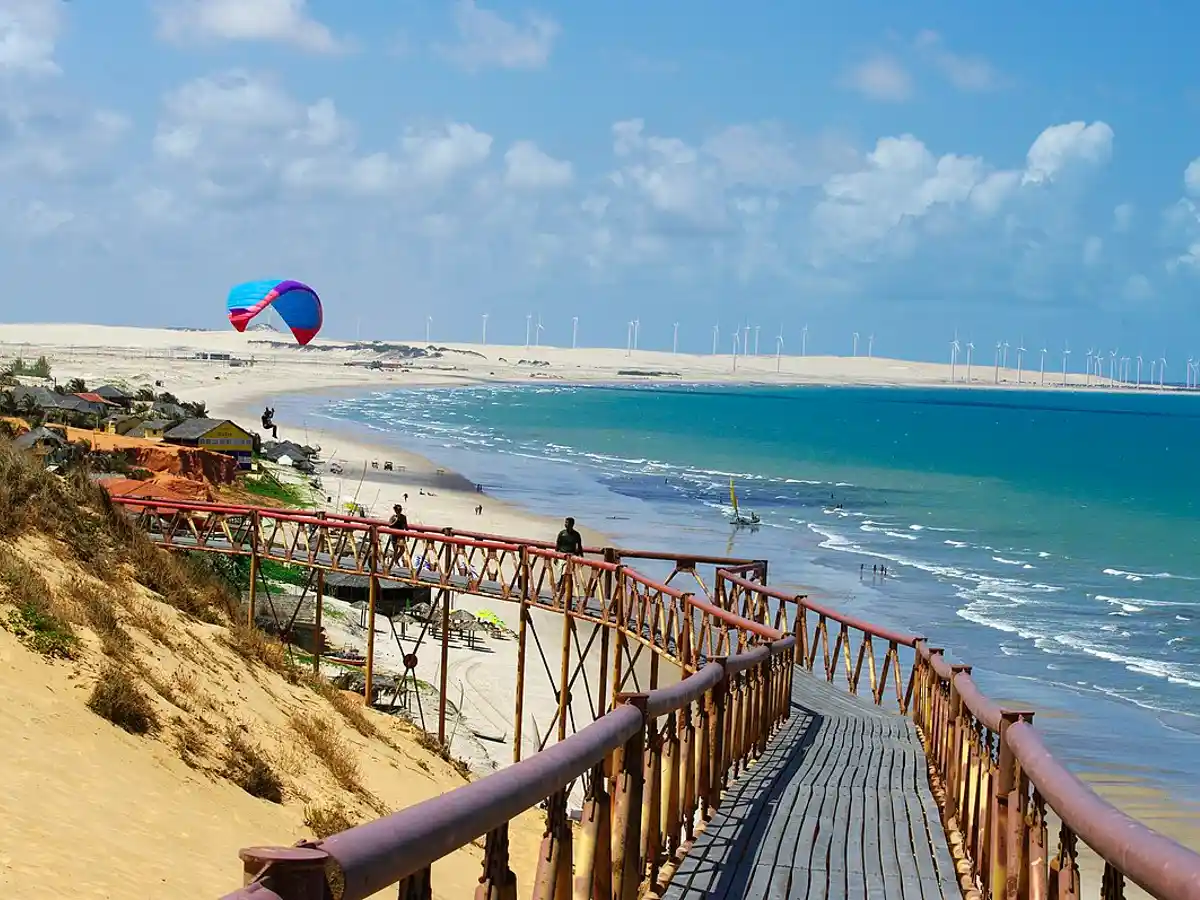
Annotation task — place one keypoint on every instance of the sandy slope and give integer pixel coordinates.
(90, 810)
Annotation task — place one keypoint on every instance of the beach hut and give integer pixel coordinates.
(217, 435)
(151, 429)
(114, 395)
(392, 599)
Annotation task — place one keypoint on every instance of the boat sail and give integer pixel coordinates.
(738, 518)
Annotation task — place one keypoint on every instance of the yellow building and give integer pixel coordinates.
(217, 435)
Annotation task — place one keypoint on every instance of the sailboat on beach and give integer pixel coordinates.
(738, 519)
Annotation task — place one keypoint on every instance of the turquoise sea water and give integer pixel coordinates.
(1051, 540)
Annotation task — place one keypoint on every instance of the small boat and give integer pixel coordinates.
(738, 518)
(495, 739)
(346, 659)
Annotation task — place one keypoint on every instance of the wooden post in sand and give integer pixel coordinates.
(519, 714)
(372, 599)
(447, 564)
(253, 568)
(318, 643)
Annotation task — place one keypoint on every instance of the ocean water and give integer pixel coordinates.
(1050, 540)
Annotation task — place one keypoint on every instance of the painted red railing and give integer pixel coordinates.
(654, 765)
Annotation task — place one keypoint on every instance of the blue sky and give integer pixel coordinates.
(897, 170)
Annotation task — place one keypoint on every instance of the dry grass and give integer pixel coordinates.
(101, 617)
(118, 698)
(246, 767)
(145, 618)
(430, 743)
(323, 821)
(254, 646)
(189, 741)
(327, 745)
(347, 707)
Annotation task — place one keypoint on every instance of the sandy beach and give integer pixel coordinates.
(482, 683)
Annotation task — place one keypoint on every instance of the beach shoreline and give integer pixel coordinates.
(237, 393)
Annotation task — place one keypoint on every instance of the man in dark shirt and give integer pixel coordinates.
(399, 521)
(569, 540)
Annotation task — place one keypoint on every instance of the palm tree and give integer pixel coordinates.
(76, 386)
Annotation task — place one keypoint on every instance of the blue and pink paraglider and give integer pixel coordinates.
(297, 304)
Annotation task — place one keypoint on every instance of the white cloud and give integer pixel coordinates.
(1062, 146)
(488, 41)
(29, 31)
(881, 78)
(967, 73)
(1093, 249)
(438, 154)
(278, 21)
(1122, 217)
(1191, 178)
(1138, 288)
(239, 137)
(526, 166)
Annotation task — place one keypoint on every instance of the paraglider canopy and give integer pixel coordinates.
(297, 304)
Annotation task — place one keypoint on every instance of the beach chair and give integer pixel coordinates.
(387, 465)
(374, 464)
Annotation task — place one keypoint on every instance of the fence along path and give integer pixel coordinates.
(715, 768)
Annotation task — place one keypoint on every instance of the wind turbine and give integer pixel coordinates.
(1005, 359)
(1020, 355)
(1112, 367)
(629, 339)
(574, 332)
(485, 315)
(1188, 378)
(970, 350)
(1139, 372)
(637, 326)
(870, 345)
(1153, 369)
(999, 346)
(716, 335)
(736, 335)
(1091, 353)
(804, 341)
(953, 355)
(428, 327)
(1162, 369)
(779, 351)
(855, 344)
(756, 328)
(1066, 353)
(528, 325)
(675, 340)
(1042, 368)
(745, 344)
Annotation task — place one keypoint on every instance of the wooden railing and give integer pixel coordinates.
(655, 763)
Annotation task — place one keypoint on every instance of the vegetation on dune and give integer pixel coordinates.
(83, 605)
(39, 368)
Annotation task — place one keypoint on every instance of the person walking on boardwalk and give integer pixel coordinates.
(398, 521)
(569, 542)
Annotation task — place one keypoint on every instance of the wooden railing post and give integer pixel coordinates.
(671, 762)
(689, 787)
(446, 563)
(372, 600)
(295, 873)
(627, 823)
(651, 807)
(522, 626)
(718, 745)
(498, 881)
(555, 862)
(593, 865)
(252, 600)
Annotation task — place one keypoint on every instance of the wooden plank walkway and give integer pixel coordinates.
(838, 808)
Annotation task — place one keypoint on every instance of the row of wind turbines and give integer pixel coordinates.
(1121, 371)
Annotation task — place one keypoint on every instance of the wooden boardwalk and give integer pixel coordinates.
(838, 807)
